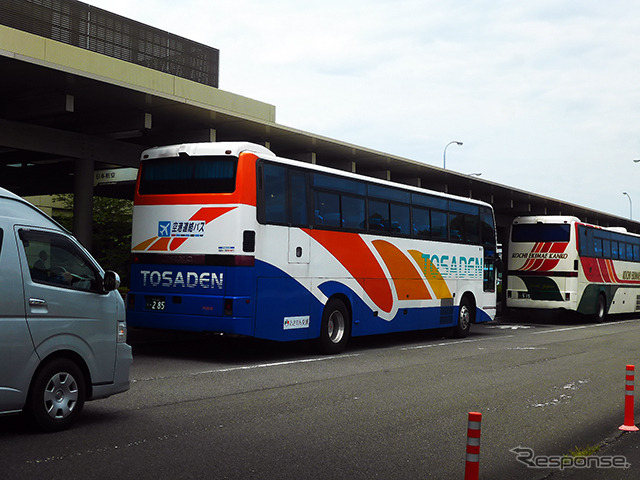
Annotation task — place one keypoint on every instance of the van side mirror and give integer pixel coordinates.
(111, 281)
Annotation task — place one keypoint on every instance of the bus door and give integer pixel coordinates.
(491, 264)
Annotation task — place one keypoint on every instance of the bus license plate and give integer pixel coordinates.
(155, 303)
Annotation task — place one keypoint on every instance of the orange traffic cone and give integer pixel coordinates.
(629, 425)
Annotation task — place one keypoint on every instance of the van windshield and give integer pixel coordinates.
(180, 175)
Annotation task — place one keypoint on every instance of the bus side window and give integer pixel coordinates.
(486, 226)
(400, 219)
(614, 250)
(378, 215)
(353, 214)
(327, 209)
(456, 227)
(585, 242)
(597, 247)
(471, 229)
(636, 253)
(622, 251)
(275, 199)
(421, 222)
(606, 248)
(439, 225)
(298, 199)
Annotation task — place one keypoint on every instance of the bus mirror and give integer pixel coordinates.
(111, 281)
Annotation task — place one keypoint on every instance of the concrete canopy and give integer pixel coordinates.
(66, 111)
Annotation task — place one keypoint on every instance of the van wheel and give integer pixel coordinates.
(57, 395)
(335, 328)
(601, 309)
(466, 316)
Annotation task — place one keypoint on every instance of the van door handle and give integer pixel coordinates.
(37, 302)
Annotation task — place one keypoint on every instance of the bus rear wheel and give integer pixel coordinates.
(601, 309)
(335, 328)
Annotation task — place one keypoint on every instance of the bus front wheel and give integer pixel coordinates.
(335, 327)
(466, 315)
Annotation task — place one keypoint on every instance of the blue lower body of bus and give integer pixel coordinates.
(260, 301)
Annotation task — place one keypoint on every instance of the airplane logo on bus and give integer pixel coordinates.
(191, 228)
(164, 229)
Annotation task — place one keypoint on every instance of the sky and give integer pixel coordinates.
(544, 95)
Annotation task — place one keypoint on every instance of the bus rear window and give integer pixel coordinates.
(540, 232)
(176, 175)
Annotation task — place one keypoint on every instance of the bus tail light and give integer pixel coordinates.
(244, 261)
(228, 306)
(567, 296)
(131, 301)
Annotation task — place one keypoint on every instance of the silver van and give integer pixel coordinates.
(62, 320)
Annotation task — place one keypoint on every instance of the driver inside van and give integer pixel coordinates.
(40, 272)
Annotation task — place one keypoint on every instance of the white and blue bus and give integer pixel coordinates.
(229, 238)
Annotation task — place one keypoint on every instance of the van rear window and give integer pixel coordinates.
(180, 175)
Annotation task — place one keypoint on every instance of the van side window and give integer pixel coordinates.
(54, 260)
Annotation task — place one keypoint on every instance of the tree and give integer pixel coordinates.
(111, 231)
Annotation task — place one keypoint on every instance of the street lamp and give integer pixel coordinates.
(444, 155)
(630, 205)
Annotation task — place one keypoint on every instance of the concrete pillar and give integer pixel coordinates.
(83, 202)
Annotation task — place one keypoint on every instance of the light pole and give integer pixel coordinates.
(630, 205)
(444, 155)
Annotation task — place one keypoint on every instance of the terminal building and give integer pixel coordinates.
(84, 91)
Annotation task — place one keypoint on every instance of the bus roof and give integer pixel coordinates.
(545, 219)
(236, 148)
(558, 219)
(206, 148)
(356, 176)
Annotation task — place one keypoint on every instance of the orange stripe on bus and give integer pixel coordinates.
(176, 242)
(354, 255)
(208, 214)
(407, 280)
(161, 244)
(431, 273)
(144, 245)
(612, 271)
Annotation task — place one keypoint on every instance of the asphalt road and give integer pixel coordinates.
(390, 407)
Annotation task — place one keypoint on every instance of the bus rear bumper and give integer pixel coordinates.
(542, 305)
(192, 323)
